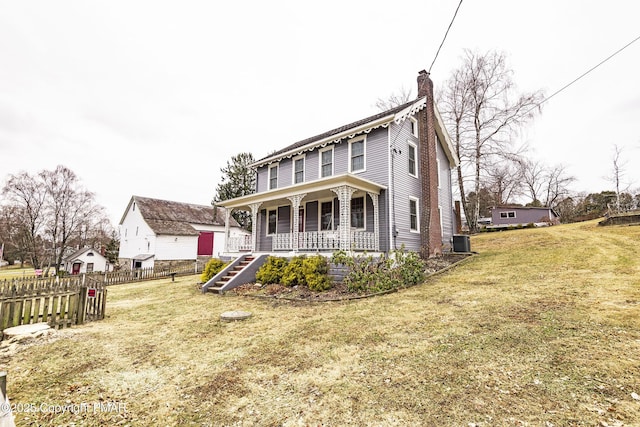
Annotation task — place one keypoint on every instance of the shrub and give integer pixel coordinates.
(369, 275)
(213, 267)
(316, 273)
(272, 270)
(293, 273)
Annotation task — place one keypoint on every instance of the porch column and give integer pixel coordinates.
(227, 218)
(344, 193)
(376, 220)
(254, 225)
(295, 203)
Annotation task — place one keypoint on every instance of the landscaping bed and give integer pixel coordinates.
(339, 291)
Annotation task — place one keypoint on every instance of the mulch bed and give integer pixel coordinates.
(339, 291)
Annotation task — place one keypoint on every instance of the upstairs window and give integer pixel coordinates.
(414, 126)
(298, 170)
(326, 163)
(273, 177)
(413, 166)
(356, 149)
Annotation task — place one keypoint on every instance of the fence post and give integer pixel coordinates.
(82, 304)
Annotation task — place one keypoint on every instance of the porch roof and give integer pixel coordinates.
(313, 189)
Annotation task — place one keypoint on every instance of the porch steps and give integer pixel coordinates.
(219, 284)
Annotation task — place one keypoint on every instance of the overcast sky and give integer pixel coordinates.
(151, 98)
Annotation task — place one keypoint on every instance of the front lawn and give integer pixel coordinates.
(541, 328)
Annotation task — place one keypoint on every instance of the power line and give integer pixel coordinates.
(585, 73)
(445, 36)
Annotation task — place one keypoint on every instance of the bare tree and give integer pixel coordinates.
(70, 209)
(395, 99)
(26, 199)
(504, 181)
(49, 210)
(617, 173)
(545, 185)
(484, 113)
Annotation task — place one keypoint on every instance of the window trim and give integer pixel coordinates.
(414, 126)
(324, 150)
(414, 146)
(417, 203)
(505, 214)
(275, 166)
(438, 173)
(352, 141)
(293, 168)
(364, 212)
(275, 231)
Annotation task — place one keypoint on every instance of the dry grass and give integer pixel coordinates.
(541, 328)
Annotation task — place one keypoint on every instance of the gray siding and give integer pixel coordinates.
(404, 185)
(522, 215)
(445, 199)
(262, 179)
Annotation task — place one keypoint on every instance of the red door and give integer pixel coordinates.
(205, 243)
(76, 268)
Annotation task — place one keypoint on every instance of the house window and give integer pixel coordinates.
(413, 167)
(414, 127)
(272, 217)
(89, 267)
(510, 214)
(298, 170)
(326, 216)
(413, 214)
(326, 163)
(357, 212)
(90, 254)
(273, 177)
(356, 149)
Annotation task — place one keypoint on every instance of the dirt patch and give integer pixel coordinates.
(339, 291)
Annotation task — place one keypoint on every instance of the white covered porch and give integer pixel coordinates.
(308, 231)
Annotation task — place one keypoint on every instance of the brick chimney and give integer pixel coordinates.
(430, 231)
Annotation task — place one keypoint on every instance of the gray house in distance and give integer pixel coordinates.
(357, 187)
(504, 216)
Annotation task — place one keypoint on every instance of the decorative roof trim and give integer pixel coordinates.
(412, 109)
(349, 133)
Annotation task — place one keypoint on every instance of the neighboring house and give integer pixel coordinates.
(86, 260)
(155, 232)
(358, 187)
(504, 216)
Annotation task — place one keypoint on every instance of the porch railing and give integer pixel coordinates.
(239, 243)
(324, 241)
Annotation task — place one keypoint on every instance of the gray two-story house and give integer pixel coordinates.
(372, 185)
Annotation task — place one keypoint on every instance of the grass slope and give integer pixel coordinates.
(541, 328)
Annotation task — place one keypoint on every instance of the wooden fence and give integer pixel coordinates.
(60, 303)
(67, 301)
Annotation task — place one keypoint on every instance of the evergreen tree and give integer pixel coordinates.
(238, 179)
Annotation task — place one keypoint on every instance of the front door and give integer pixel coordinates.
(76, 268)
